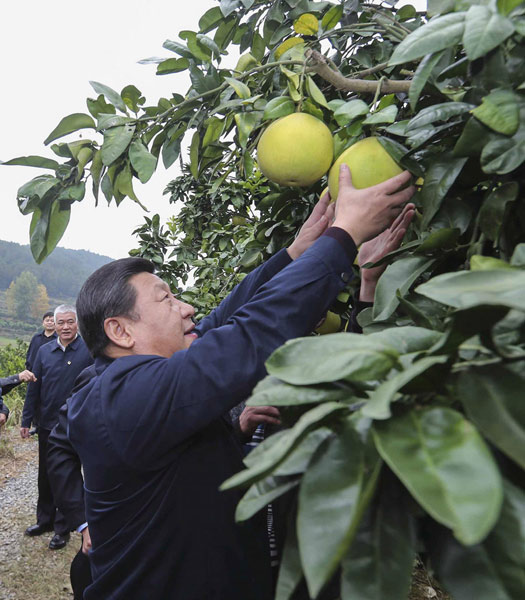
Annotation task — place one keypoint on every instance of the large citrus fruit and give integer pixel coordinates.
(296, 150)
(369, 164)
(330, 324)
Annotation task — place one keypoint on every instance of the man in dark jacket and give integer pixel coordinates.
(150, 430)
(56, 367)
(48, 334)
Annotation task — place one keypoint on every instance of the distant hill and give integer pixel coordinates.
(63, 272)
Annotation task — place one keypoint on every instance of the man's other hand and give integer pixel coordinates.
(86, 540)
(252, 416)
(26, 376)
(24, 432)
(316, 224)
(378, 247)
(365, 213)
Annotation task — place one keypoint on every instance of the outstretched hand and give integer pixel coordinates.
(316, 224)
(378, 247)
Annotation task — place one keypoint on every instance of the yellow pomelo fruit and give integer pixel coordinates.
(331, 324)
(369, 164)
(237, 220)
(487, 263)
(295, 150)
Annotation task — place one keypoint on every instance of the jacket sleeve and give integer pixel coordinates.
(63, 464)
(65, 475)
(3, 408)
(244, 291)
(198, 385)
(33, 393)
(30, 353)
(8, 383)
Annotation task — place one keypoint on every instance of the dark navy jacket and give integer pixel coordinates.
(155, 447)
(38, 340)
(56, 372)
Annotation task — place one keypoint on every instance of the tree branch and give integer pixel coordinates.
(318, 63)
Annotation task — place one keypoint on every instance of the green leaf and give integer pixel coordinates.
(100, 106)
(518, 256)
(178, 48)
(260, 495)
(116, 141)
(438, 34)
(47, 228)
(32, 161)
(214, 129)
(503, 156)
(328, 513)
(499, 111)
(278, 107)
(378, 405)
(385, 115)
(439, 178)
(111, 95)
(246, 123)
(70, 124)
(142, 161)
(210, 19)
(477, 288)
(290, 571)
(124, 184)
(438, 112)
(408, 339)
(441, 239)
(96, 172)
(332, 17)
(31, 193)
(194, 155)
(112, 120)
(241, 89)
(291, 395)
(172, 65)
(278, 447)
(132, 97)
(492, 212)
(321, 359)
(229, 6)
(445, 464)
(492, 397)
(298, 460)
(421, 76)
(493, 570)
(484, 30)
(379, 563)
(400, 275)
(507, 6)
(348, 111)
(199, 50)
(314, 92)
(472, 139)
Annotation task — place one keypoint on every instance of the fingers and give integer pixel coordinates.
(402, 197)
(394, 183)
(345, 178)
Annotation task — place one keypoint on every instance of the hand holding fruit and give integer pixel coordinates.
(314, 226)
(367, 212)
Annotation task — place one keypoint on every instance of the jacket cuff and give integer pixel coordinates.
(345, 239)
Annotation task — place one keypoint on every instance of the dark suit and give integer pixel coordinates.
(67, 484)
(155, 447)
(6, 385)
(56, 371)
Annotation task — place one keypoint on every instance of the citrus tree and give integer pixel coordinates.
(409, 439)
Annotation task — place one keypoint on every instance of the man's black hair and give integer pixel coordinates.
(49, 313)
(107, 293)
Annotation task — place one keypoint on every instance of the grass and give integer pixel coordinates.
(4, 341)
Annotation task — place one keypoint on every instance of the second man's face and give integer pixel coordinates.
(66, 326)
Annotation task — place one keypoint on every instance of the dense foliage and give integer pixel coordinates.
(12, 361)
(410, 438)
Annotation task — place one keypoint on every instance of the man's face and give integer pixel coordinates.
(49, 324)
(164, 324)
(66, 326)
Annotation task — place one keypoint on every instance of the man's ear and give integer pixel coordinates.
(119, 333)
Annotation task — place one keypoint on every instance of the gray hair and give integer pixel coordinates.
(65, 308)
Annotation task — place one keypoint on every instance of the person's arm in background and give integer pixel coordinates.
(371, 252)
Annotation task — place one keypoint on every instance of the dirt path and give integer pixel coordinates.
(28, 569)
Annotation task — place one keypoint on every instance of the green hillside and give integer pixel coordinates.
(63, 273)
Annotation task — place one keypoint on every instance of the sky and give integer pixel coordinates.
(50, 51)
